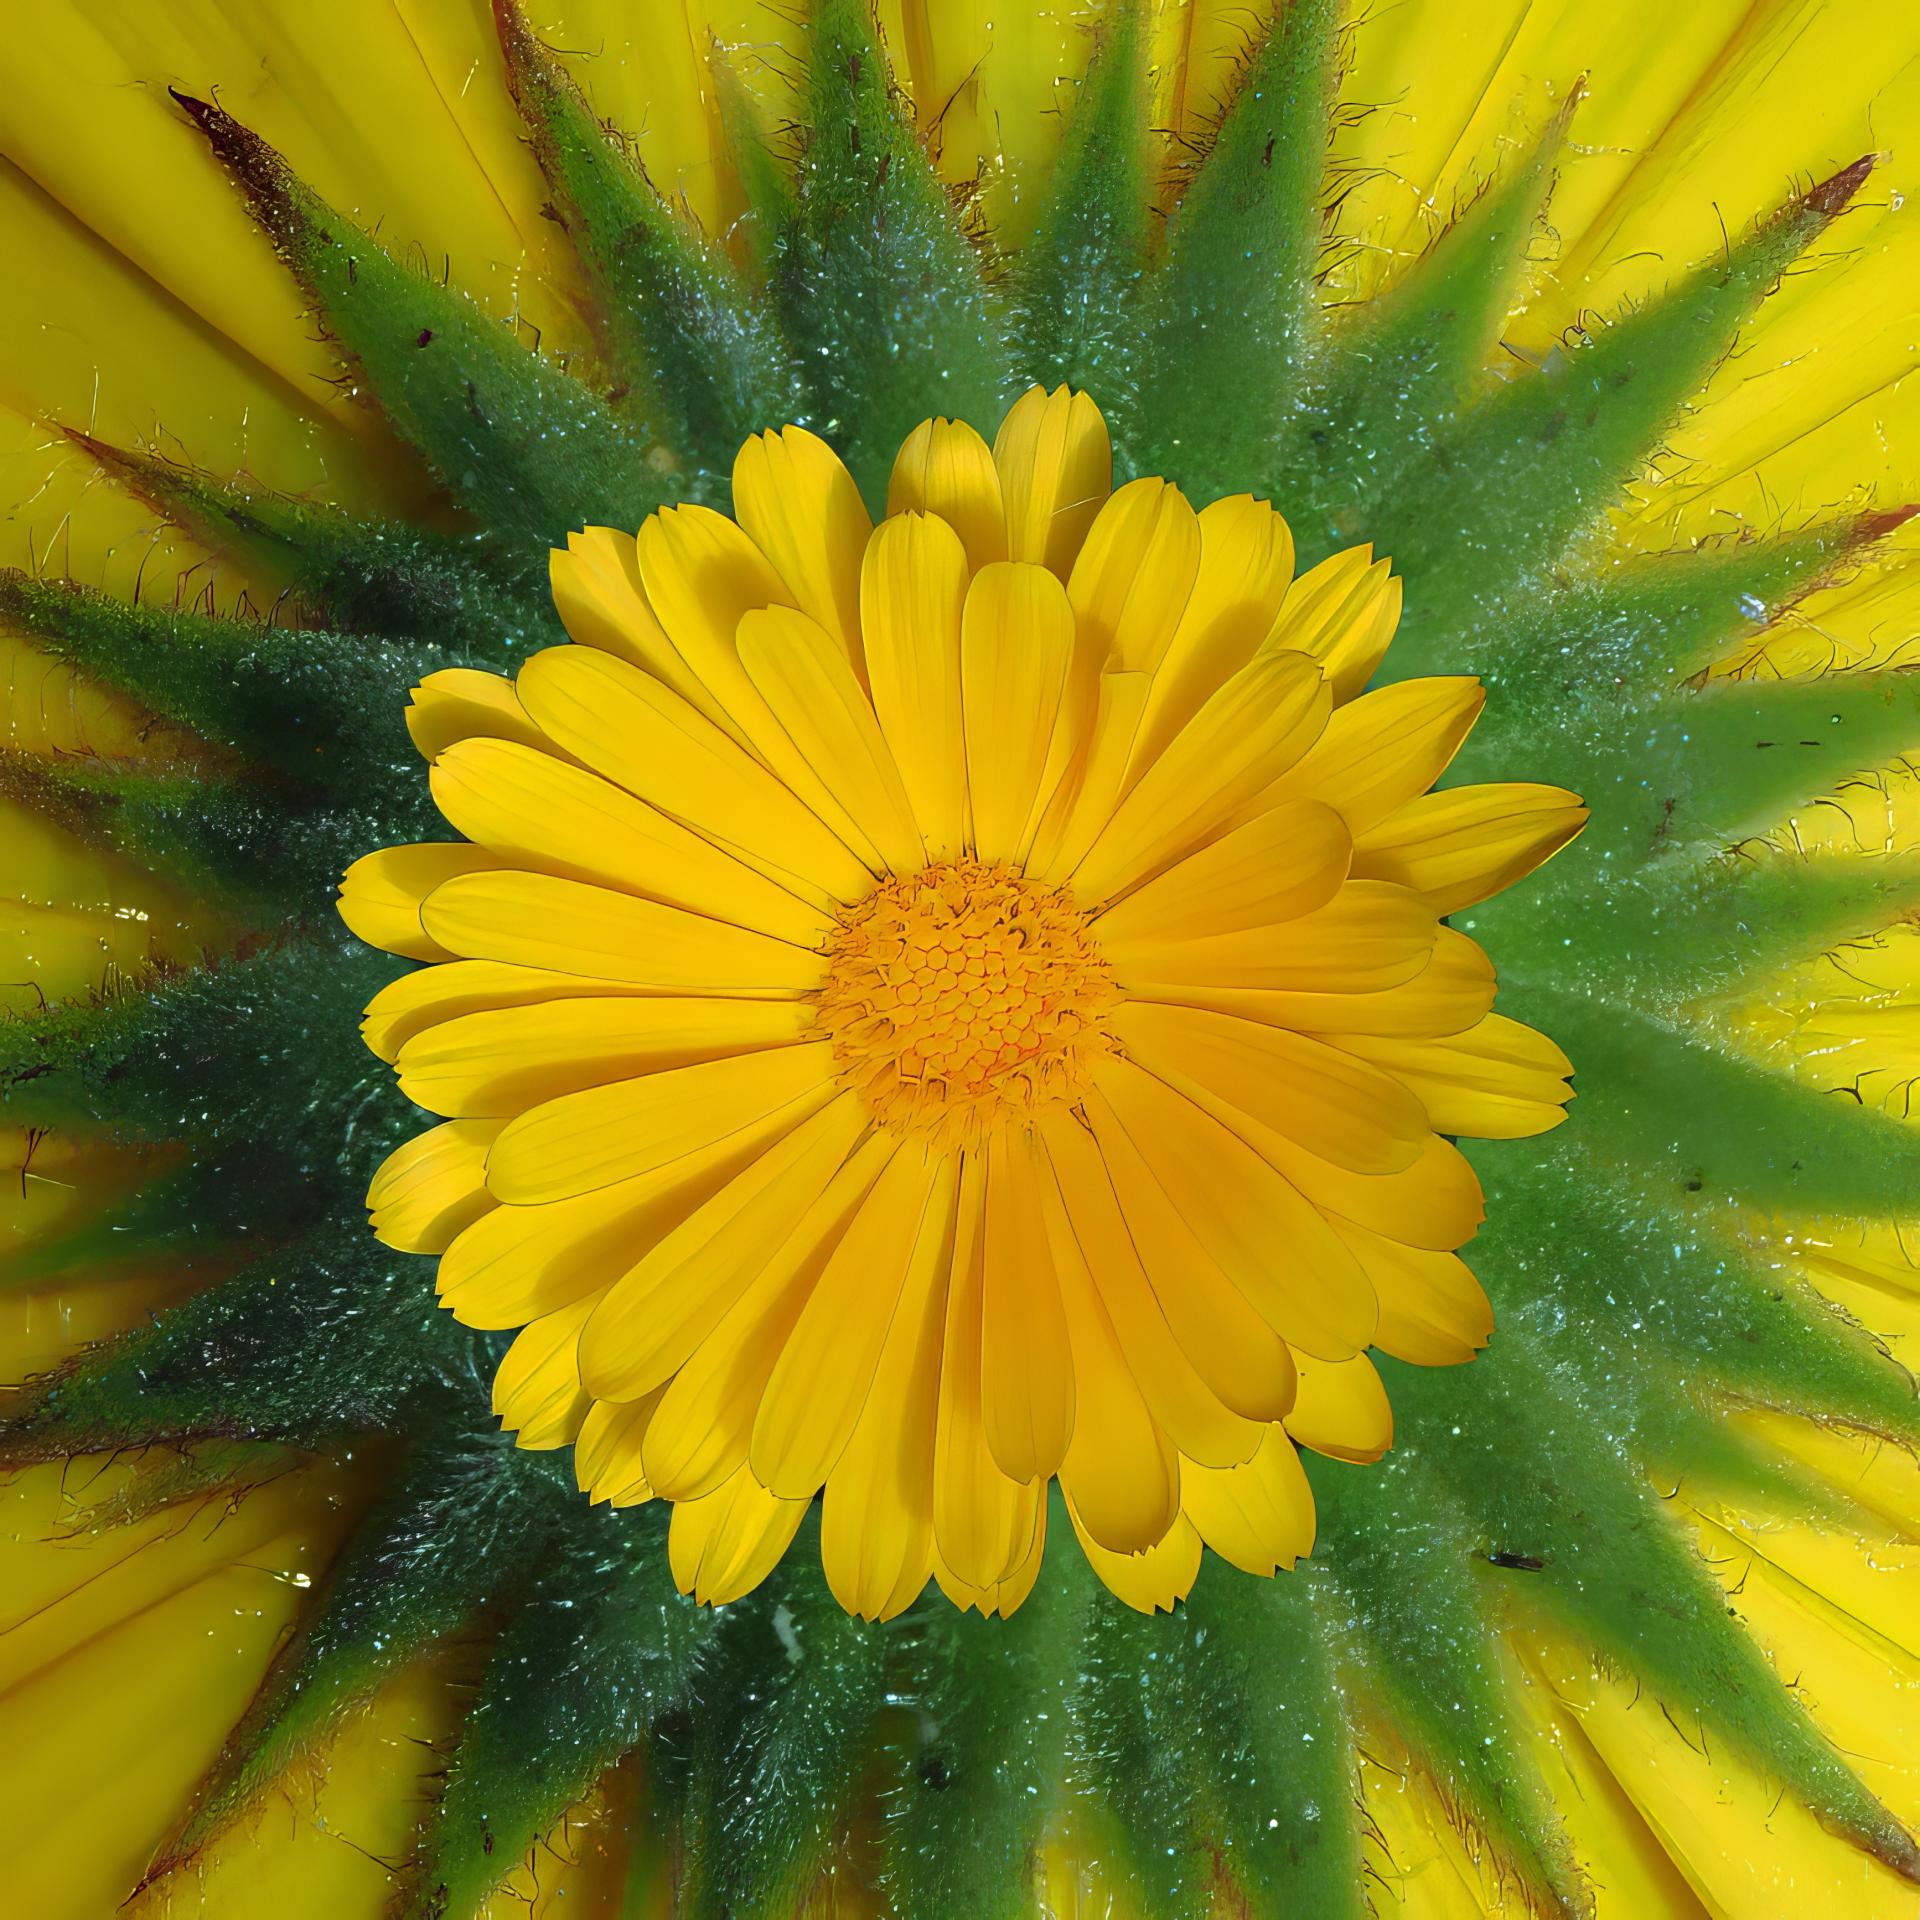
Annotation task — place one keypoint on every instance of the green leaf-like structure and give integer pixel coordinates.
(1216, 1748)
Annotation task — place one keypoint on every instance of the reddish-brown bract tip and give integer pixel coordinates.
(1877, 525)
(1833, 193)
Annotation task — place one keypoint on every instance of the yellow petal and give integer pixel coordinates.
(1026, 1367)
(568, 926)
(1455, 989)
(944, 468)
(504, 1060)
(1381, 750)
(1148, 1582)
(1258, 1516)
(1435, 1203)
(1016, 646)
(805, 677)
(461, 703)
(666, 1301)
(428, 995)
(722, 1546)
(639, 734)
(1134, 575)
(1003, 1597)
(602, 603)
(1343, 613)
(1288, 861)
(584, 1141)
(381, 894)
(1094, 786)
(1497, 1081)
(1255, 1225)
(536, 1387)
(702, 1429)
(1341, 1409)
(1092, 1246)
(606, 1451)
(1303, 1089)
(1246, 563)
(535, 811)
(983, 1523)
(427, 1191)
(519, 1262)
(821, 1380)
(1056, 468)
(794, 495)
(1241, 741)
(1433, 1312)
(913, 587)
(876, 1522)
(1466, 843)
(1367, 938)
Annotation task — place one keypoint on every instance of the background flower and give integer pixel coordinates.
(155, 320)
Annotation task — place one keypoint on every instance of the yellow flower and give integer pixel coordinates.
(928, 1008)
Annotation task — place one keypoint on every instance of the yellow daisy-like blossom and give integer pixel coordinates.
(922, 1010)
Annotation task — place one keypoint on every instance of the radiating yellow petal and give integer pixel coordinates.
(427, 1191)
(1366, 939)
(1016, 645)
(703, 1427)
(1090, 1236)
(1463, 844)
(569, 926)
(1286, 862)
(1381, 750)
(1241, 741)
(913, 588)
(1004, 1596)
(806, 679)
(666, 1300)
(1499, 1080)
(460, 703)
(583, 1141)
(945, 469)
(381, 894)
(794, 495)
(501, 1061)
(536, 1387)
(1149, 1581)
(983, 1523)
(429, 995)
(1094, 786)
(1026, 1367)
(1342, 614)
(1300, 1088)
(606, 1451)
(1433, 1312)
(821, 1380)
(1056, 468)
(1342, 1409)
(535, 811)
(639, 734)
(602, 602)
(723, 1545)
(1246, 565)
(1134, 575)
(1258, 1516)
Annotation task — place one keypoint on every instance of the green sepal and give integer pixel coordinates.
(324, 709)
(1073, 297)
(981, 1772)
(466, 591)
(522, 444)
(1402, 365)
(1525, 474)
(1216, 1748)
(331, 1337)
(1657, 1101)
(458, 1532)
(766, 183)
(676, 321)
(1418, 1634)
(602, 1649)
(1231, 315)
(881, 292)
(763, 1802)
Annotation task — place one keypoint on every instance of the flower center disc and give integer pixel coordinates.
(963, 996)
